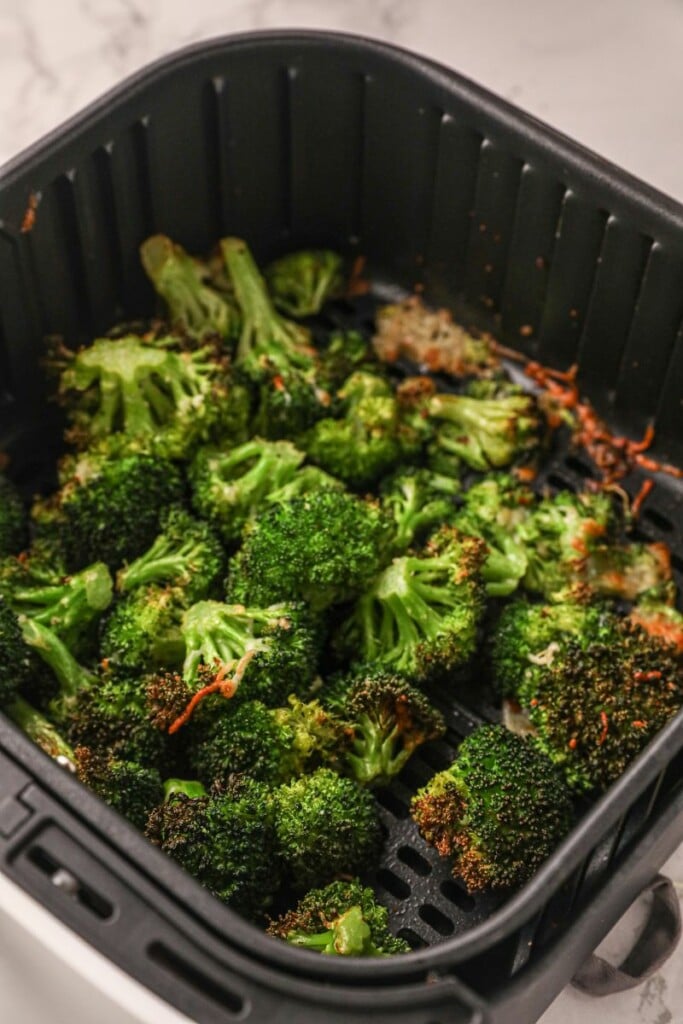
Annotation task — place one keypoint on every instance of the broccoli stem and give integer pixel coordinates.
(68, 605)
(42, 732)
(375, 759)
(71, 676)
(163, 561)
(218, 633)
(349, 935)
(185, 787)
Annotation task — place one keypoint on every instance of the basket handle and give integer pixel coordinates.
(653, 947)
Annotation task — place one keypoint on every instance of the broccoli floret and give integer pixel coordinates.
(659, 620)
(558, 536)
(343, 353)
(493, 509)
(72, 678)
(417, 500)
(369, 439)
(630, 571)
(267, 653)
(499, 810)
(227, 841)
(528, 637)
(187, 553)
(274, 353)
(300, 283)
(389, 720)
(431, 339)
(326, 825)
(143, 630)
(421, 615)
(343, 919)
(322, 549)
(183, 283)
(17, 662)
(132, 789)
(13, 519)
(306, 480)
(486, 433)
(42, 731)
(594, 710)
(270, 744)
(113, 512)
(229, 487)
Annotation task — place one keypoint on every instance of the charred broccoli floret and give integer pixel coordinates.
(343, 919)
(388, 718)
(326, 825)
(13, 519)
(194, 306)
(417, 500)
(499, 810)
(659, 620)
(132, 789)
(595, 709)
(322, 549)
(274, 353)
(229, 487)
(300, 283)
(187, 553)
(227, 840)
(270, 744)
(421, 615)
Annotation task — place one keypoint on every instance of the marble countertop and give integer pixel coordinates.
(609, 73)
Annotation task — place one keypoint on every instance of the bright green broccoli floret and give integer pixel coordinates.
(369, 439)
(558, 535)
(421, 615)
(13, 519)
(113, 513)
(274, 353)
(326, 825)
(270, 744)
(183, 283)
(187, 553)
(528, 638)
(417, 500)
(306, 480)
(389, 720)
(302, 282)
(227, 841)
(322, 549)
(230, 487)
(499, 810)
(267, 653)
(343, 919)
(142, 631)
(596, 708)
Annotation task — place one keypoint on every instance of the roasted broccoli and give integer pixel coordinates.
(132, 789)
(630, 572)
(300, 283)
(322, 548)
(42, 731)
(13, 519)
(659, 620)
(417, 500)
(499, 810)
(343, 919)
(194, 306)
(421, 616)
(18, 662)
(343, 353)
(388, 720)
(143, 630)
(326, 825)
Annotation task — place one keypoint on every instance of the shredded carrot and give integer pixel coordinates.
(573, 743)
(226, 687)
(648, 677)
(638, 724)
(640, 497)
(605, 728)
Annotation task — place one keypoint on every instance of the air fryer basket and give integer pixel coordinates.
(293, 139)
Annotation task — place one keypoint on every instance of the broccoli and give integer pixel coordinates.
(306, 480)
(558, 536)
(17, 661)
(39, 640)
(421, 615)
(268, 653)
(183, 283)
(270, 744)
(493, 508)
(132, 789)
(595, 709)
(499, 810)
(229, 487)
(326, 825)
(302, 282)
(134, 396)
(528, 637)
(143, 630)
(630, 571)
(322, 549)
(343, 353)
(112, 513)
(13, 525)
(417, 500)
(431, 339)
(486, 433)
(343, 919)
(389, 720)
(42, 731)
(368, 440)
(659, 620)
(226, 840)
(273, 353)
(186, 553)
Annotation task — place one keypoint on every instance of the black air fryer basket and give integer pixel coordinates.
(297, 139)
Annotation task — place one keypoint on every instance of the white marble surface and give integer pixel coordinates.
(607, 72)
